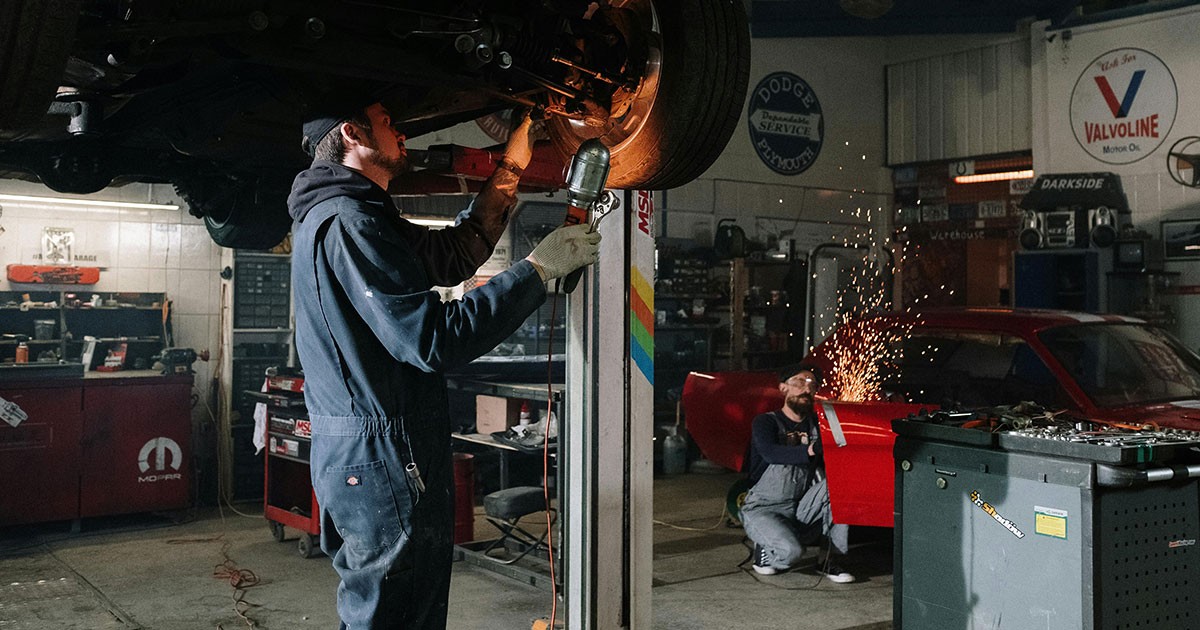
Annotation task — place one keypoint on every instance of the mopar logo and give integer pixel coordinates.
(154, 455)
(786, 125)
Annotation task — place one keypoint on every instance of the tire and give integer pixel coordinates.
(277, 531)
(35, 38)
(239, 212)
(688, 106)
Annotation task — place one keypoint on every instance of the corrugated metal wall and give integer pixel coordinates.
(962, 105)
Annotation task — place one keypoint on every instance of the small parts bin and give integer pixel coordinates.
(288, 498)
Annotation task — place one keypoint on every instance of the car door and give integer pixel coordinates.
(857, 440)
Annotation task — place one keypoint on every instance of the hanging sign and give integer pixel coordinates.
(786, 124)
(52, 274)
(1123, 105)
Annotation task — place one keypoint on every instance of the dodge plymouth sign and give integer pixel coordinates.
(786, 125)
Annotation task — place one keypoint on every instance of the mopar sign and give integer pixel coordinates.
(154, 456)
(1123, 105)
(786, 126)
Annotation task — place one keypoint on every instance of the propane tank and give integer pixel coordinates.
(674, 452)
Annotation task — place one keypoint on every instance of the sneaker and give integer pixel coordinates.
(761, 561)
(834, 573)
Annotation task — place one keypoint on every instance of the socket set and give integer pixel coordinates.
(1103, 443)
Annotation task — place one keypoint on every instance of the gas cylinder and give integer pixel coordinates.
(674, 452)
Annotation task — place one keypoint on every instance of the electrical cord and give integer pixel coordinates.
(240, 579)
(721, 521)
(546, 454)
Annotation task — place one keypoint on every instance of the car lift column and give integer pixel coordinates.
(608, 429)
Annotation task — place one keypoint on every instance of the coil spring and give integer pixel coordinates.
(528, 51)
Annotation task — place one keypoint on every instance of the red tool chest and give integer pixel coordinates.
(39, 458)
(102, 445)
(288, 498)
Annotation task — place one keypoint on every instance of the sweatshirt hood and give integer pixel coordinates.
(326, 180)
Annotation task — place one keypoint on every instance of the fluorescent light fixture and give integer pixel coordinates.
(436, 223)
(993, 177)
(93, 203)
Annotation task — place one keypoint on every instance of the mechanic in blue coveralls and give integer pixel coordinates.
(788, 506)
(374, 341)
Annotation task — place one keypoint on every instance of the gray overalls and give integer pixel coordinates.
(788, 508)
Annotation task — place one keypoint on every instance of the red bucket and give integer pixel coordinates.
(464, 498)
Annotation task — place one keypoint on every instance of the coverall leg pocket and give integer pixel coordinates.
(363, 506)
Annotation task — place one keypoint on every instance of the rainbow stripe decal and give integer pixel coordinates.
(641, 324)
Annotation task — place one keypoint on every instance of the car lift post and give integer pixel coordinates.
(607, 434)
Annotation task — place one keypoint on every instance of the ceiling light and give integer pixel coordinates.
(93, 203)
(993, 177)
(866, 9)
(430, 222)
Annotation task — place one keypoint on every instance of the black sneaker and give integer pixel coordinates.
(762, 562)
(834, 573)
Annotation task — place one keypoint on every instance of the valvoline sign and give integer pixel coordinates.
(786, 124)
(1123, 105)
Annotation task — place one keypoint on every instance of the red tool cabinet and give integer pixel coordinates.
(106, 444)
(288, 498)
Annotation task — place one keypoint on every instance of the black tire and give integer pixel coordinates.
(277, 531)
(35, 38)
(239, 212)
(686, 121)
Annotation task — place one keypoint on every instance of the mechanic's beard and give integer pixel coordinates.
(802, 405)
(394, 167)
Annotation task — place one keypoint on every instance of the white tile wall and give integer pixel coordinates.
(137, 250)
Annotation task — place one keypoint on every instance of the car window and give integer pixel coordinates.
(1123, 364)
(966, 370)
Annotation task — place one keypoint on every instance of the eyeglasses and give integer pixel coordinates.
(801, 382)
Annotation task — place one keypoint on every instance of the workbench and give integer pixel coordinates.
(94, 443)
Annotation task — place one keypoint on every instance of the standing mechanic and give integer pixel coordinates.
(788, 506)
(374, 341)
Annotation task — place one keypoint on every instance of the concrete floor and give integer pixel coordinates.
(151, 572)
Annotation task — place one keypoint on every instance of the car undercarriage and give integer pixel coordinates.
(208, 96)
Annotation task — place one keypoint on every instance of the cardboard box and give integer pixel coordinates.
(493, 413)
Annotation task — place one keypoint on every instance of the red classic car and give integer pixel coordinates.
(1111, 369)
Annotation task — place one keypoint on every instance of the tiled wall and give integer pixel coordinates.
(155, 250)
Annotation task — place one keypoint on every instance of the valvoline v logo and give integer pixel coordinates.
(1120, 109)
(1123, 105)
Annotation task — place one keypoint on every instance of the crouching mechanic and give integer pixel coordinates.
(374, 341)
(788, 506)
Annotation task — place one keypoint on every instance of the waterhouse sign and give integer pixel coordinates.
(786, 125)
(1123, 105)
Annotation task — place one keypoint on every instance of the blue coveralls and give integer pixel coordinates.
(374, 341)
(788, 507)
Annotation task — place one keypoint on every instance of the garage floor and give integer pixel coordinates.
(150, 572)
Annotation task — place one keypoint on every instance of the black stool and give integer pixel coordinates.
(504, 509)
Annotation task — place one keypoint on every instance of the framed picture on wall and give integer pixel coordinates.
(1181, 239)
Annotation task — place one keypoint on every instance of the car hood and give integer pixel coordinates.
(1175, 414)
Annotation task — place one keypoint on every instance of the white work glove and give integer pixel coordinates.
(564, 250)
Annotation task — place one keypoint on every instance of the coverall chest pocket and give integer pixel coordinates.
(363, 505)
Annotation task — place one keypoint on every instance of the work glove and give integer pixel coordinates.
(564, 250)
(519, 150)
